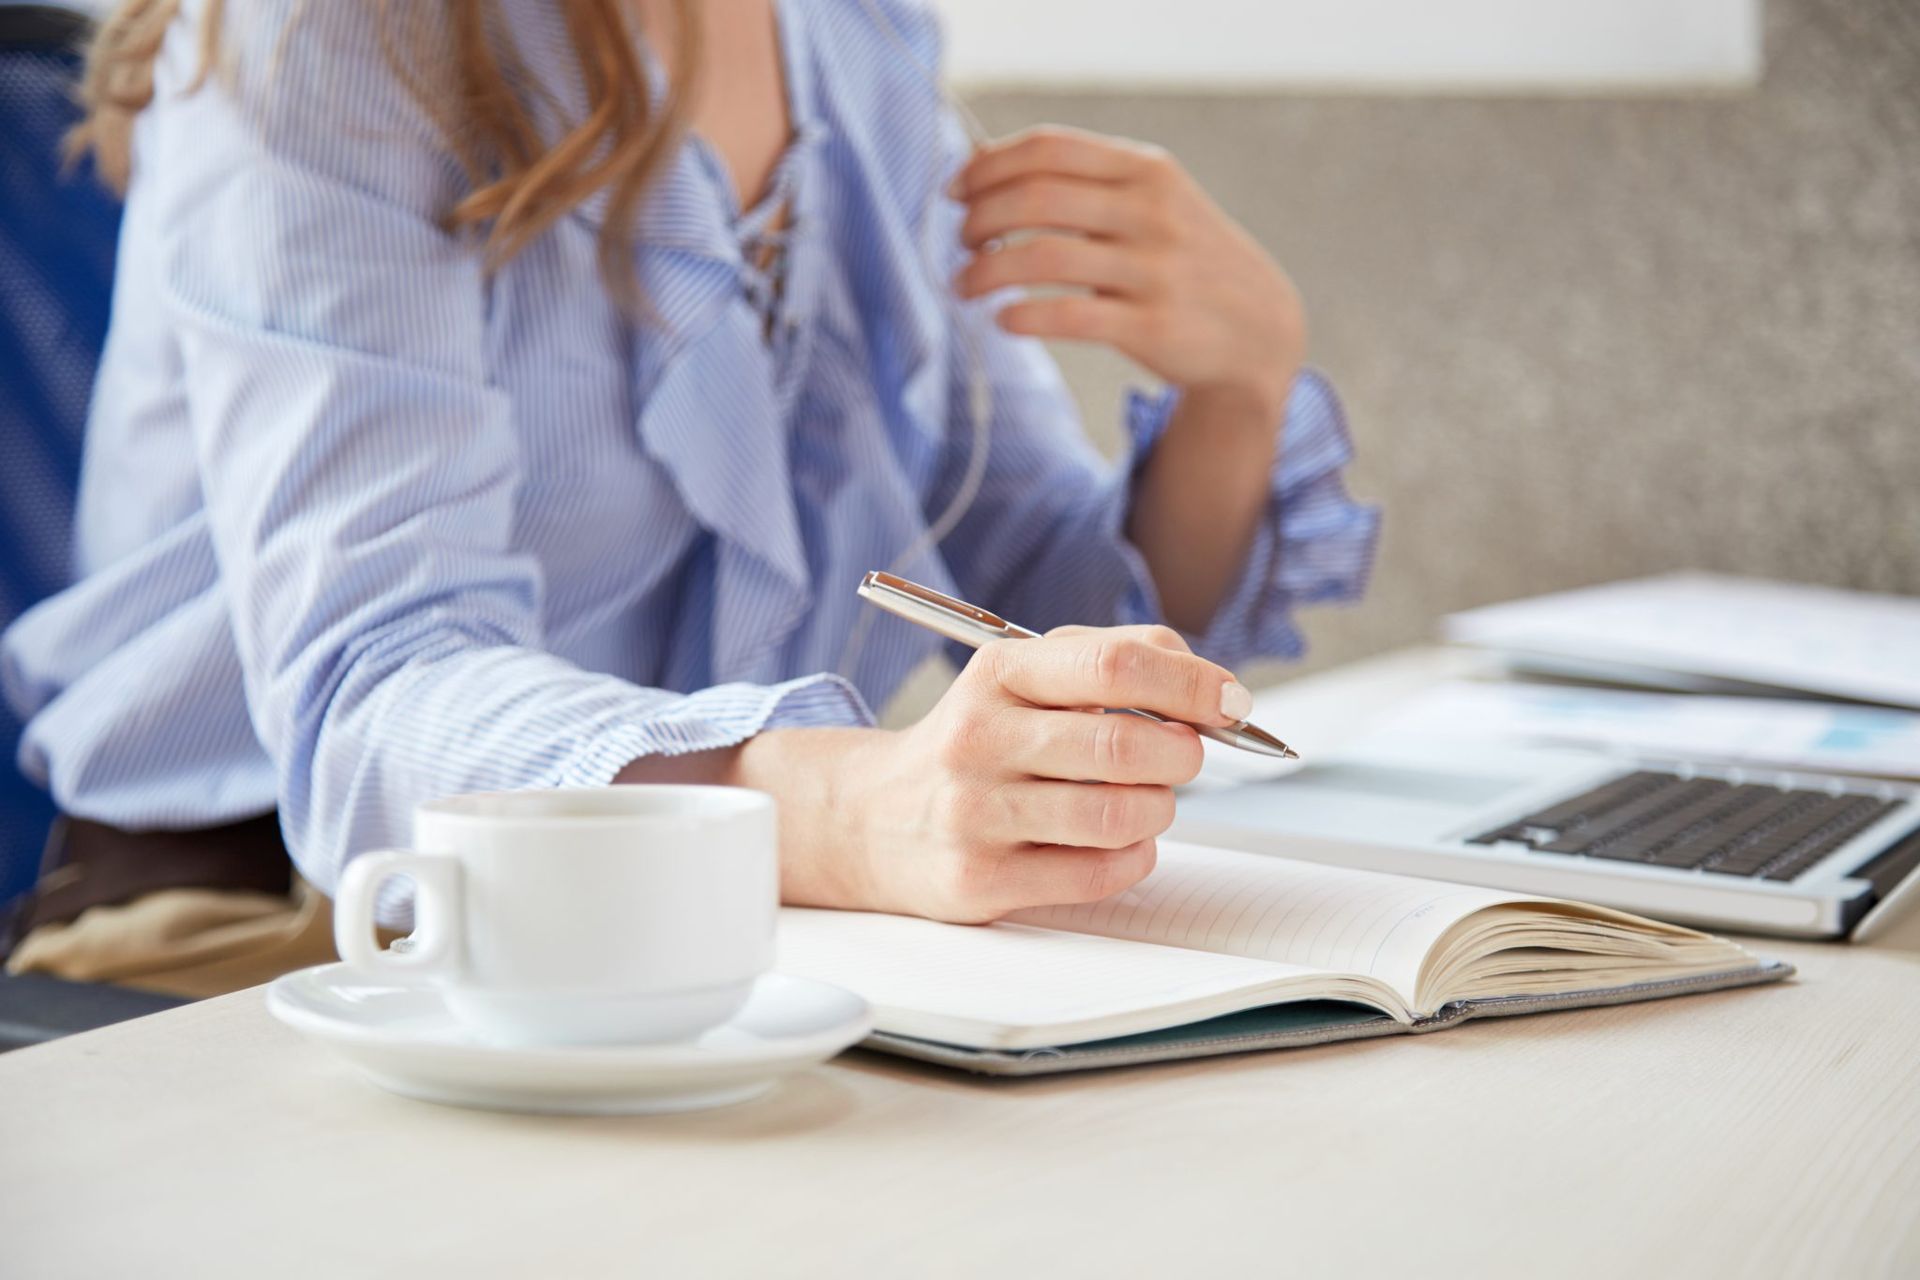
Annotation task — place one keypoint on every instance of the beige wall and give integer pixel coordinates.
(1585, 339)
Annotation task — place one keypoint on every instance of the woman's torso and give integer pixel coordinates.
(700, 489)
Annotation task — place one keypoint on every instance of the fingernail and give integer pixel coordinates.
(955, 187)
(1236, 701)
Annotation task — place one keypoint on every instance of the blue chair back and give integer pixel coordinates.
(58, 231)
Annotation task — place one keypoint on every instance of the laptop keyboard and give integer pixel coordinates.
(1697, 824)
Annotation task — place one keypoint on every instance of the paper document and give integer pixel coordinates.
(1790, 734)
(1845, 644)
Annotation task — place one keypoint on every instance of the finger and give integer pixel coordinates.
(1096, 748)
(1052, 149)
(1058, 875)
(1052, 260)
(1088, 815)
(1153, 633)
(1050, 203)
(1112, 668)
(1112, 321)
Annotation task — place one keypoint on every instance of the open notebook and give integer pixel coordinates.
(1218, 952)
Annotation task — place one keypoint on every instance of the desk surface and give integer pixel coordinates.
(1773, 1131)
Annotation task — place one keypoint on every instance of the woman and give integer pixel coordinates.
(461, 427)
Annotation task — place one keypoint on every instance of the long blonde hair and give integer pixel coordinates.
(520, 184)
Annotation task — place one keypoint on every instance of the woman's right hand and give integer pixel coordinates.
(1014, 791)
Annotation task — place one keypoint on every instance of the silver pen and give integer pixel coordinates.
(974, 626)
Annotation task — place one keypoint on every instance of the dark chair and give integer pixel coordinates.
(57, 236)
(35, 1008)
(58, 229)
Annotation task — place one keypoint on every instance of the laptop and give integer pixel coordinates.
(1791, 853)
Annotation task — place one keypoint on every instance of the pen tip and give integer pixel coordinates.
(1289, 753)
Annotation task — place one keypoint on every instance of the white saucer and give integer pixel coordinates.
(403, 1039)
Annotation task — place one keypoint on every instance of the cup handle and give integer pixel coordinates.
(435, 942)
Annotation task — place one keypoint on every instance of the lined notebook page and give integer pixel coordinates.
(936, 980)
(1275, 909)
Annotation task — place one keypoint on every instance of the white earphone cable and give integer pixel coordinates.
(979, 390)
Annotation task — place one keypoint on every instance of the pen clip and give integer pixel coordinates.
(954, 619)
(939, 600)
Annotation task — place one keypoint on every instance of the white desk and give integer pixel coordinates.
(1765, 1132)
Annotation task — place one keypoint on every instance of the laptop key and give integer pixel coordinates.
(1643, 843)
(1765, 844)
(1687, 824)
(1607, 795)
(1756, 806)
(1651, 806)
(1546, 824)
(1853, 818)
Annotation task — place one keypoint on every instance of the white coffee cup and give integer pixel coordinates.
(613, 915)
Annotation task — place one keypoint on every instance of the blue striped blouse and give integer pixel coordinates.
(363, 524)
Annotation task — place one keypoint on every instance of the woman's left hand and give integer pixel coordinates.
(1167, 278)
